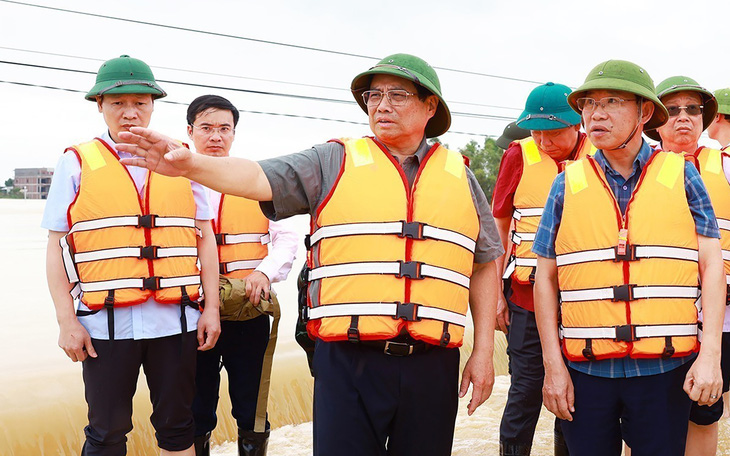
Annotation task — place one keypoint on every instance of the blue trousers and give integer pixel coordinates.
(240, 350)
(367, 403)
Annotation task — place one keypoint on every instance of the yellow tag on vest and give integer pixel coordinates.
(92, 156)
(576, 176)
(532, 155)
(361, 155)
(672, 166)
(714, 162)
(454, 163)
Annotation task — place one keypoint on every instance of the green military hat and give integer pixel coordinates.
(511, 133)
(627, 77)
(125, 75)
(677, 84)
(414, 69)
(723, 101)
(547, 108)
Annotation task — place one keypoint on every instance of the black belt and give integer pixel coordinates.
(395, 348)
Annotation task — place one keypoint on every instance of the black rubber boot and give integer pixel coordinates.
(560, 448)
(252, 443)
(506, 449)
(202, 445)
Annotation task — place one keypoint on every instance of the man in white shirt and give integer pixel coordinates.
(253, 248)
(149, 319)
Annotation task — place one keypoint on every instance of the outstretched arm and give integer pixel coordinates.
(163, 155)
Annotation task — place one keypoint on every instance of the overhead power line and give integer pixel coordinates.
(255, 92)
(256, 40)
(247, 111)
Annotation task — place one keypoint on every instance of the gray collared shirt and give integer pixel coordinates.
(300, 182)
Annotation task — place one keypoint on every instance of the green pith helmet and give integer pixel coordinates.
(677, 84)
(625, 76)
(125, 75)
(547, 108)
(414, 69)
(723, 101)
(511, 133)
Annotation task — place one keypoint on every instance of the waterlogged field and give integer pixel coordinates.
(42, 408)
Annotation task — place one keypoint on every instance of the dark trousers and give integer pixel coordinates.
(650, 413)
(524, 399)
(367, 403)
(110, 381)
(240, 349)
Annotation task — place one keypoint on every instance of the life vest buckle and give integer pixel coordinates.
(148, 252)
(220, 239)
(413, 230)
(623, 293)
(151, 283)
(406, 311)
(625, 333)
(223, 268)
(308, 242)
(146, 221)
(397, 348)
(628, 255)
(410, 269)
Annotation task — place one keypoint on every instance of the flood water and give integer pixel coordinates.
(42, 407)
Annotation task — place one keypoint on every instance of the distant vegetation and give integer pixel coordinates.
(484, 162)
(9, 191)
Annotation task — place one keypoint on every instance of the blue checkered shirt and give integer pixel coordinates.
(544, 246)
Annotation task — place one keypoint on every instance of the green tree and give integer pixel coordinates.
(484, 162)
(9, 182)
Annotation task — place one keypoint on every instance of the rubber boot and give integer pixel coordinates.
(252, 443)
(560, 448)
(508, 449)
(202, 445)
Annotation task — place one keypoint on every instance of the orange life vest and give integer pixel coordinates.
(387, 257)
(628, 284)
(538, 172)
(242, 235)
(123, 249)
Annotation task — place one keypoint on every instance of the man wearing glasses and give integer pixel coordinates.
(250, 247)
(526, 172)
(402, 241)
(622, 240)
(719, 129)
(691, 110)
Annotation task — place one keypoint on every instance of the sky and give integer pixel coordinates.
(529, 40)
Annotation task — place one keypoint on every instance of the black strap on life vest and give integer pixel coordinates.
(588, 350)
(109, 306)
(353, 335)
(445, 336)
(532, 275)
(668, 347)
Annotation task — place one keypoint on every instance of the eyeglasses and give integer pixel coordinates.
(608, 104)
(208, 130)
(691, 110)
(396, 97)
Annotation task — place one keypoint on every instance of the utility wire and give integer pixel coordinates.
(256, 40)
(247, 111)
(238, 76)
(255, 92)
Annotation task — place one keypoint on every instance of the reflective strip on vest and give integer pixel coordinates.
(639, 331)
(527, 212)
(134, 220)
(384, 308)
(388, 267)
(134, 252)
(641, 251)
(398, 228)
(240, 265)
(517, 238)
(723, 224)
(165, 282)
(595, 294)
(726, 255)
(230, 239)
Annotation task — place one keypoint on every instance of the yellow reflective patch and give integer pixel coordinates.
(672, 166)
(714, 162)
(532, 155)
(576, 176)
(92, 156)
(360, 151)
(592, 150)
(454, 163)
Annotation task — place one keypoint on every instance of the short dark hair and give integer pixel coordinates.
(205, 102)
(726, 117)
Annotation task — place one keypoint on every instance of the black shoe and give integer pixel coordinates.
(252, 443)
(506, 449)
(202, 445)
